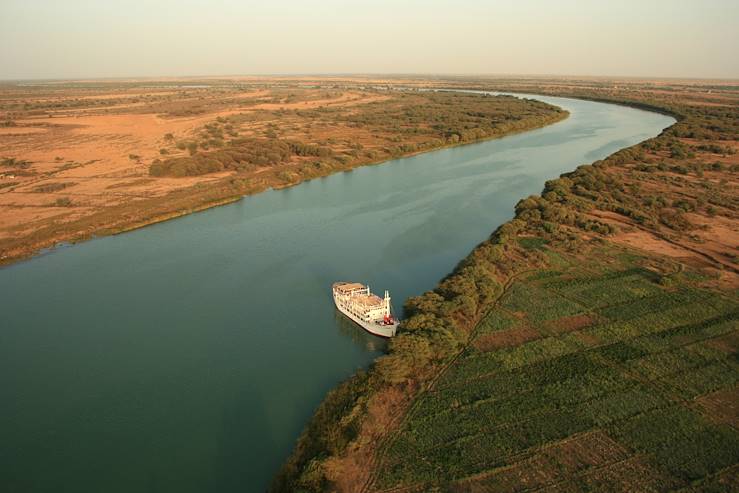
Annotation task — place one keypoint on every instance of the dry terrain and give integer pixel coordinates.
(86, 158)
(84, 149)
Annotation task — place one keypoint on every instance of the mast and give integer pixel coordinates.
(387, 303)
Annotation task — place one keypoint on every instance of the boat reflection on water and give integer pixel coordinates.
(358, 334)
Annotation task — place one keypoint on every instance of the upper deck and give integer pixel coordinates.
(368, 301)
(348, 287)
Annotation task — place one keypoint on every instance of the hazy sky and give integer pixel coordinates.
(112, 38)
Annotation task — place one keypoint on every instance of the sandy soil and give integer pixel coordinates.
(103, 159)
(21, 130)
(717, 235)
(711, 255)
(647, 241)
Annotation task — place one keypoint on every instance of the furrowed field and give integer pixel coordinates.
(597, 378)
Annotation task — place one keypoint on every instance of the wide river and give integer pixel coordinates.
(187, 356)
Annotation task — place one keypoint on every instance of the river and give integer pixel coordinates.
(187, 356)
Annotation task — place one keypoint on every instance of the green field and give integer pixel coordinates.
(611, 404)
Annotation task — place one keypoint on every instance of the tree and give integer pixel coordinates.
(392, 369)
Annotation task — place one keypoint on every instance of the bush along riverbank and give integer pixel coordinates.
(589, 343)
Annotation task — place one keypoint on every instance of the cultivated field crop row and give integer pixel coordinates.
(628, 375)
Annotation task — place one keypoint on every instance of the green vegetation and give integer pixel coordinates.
(554, 358)
(323, 436)
(629, 375)
(243, 154)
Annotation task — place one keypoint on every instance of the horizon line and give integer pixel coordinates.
(365, 75)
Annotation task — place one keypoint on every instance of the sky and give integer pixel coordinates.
(63, 39)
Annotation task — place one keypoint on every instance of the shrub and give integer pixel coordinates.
(63, 202)
(239, 155)
(52, 187)
(12, 162)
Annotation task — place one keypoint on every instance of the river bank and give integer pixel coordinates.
(467, 327)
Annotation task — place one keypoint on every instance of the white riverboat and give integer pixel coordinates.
(369, 311)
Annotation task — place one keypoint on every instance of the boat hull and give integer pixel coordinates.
(376, 329)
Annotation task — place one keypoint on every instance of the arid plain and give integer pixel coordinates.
(70, 152)
(77, 156)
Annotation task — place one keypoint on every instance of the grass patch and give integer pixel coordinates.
(681, 441)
